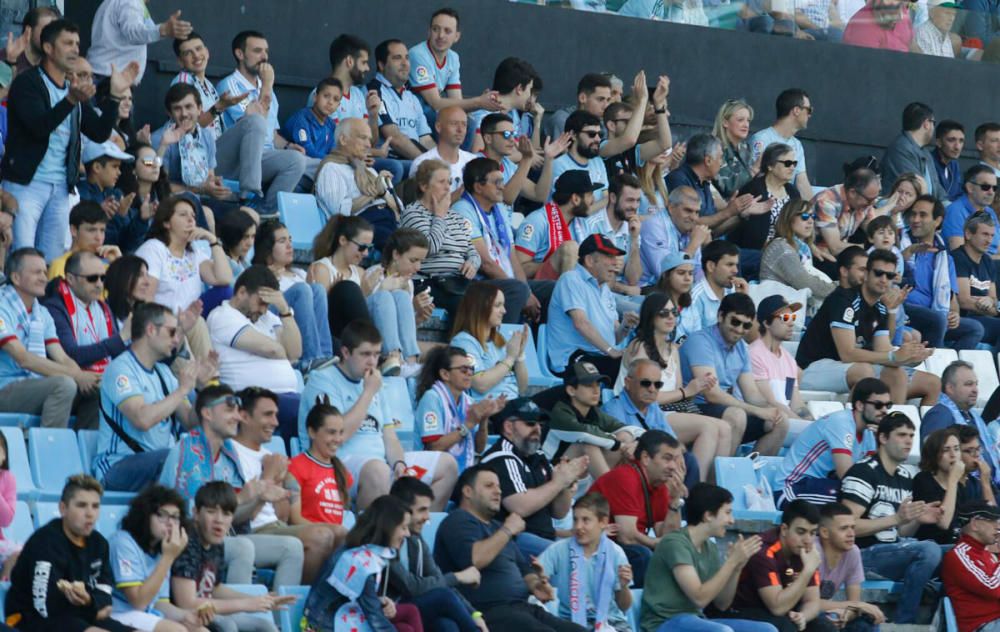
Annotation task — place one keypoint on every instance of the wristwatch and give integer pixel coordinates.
(463, 431)
(290, 312)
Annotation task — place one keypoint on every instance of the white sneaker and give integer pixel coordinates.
(410, 369)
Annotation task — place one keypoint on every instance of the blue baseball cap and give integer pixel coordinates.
(674, 260)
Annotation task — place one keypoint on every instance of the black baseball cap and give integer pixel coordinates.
(584, 372)
(522, 409)
(772, 305)
(599, 243)
(977, 509)
(575, 181)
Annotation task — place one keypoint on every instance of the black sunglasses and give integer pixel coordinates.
(589, 133)
(879, 405)
(788, 163)
(361, 247)
(985, 187)
(647, 383)
(745, 324)
(884, 273)
(668, 312)
(90, 278)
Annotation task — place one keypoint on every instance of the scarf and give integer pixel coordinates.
(348, 578)
(989, 435)
(194, 159)
(454, 416)
(558, 228)
(498, 245)
(805, 254)
(600, 589)
(941, 290)
(195, 465)
(367, 180)
(88, 328)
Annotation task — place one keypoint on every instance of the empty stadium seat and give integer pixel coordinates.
(254, 590)
(45, 511)
(17, 461)
(633, 612)
(536, 376)
(543, 353)
(21, 528)
(821, 408)
(301, 215)
(429, 532)
(87, 443)
(733, 473)
(54, 456)
(291, 617)
(940, 359)
(986, 371)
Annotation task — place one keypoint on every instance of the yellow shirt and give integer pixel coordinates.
(58, 266)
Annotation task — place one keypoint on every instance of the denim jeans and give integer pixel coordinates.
(933, 325)
(135, 471)
(531, 545)
(43, 217)
(991, 330)
(398, 168)
(442, 611)
(393, 315)
(638, 556)
(692, 623)
(910, 561)
(309, 302)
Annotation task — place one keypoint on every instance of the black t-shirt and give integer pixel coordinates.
(879, 492)
(206, 566)
(519, 473)
(980, 275)
(755, 231)
(927, 489)
(843, 308)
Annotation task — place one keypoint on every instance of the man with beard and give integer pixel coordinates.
(720, 263)
(970, 571)
(30, 41)
(675, 229)
(883, 24)
(949, 136)
(500, 140)
(620, 223)
(282, 162)
(841, 568)
(584, 153)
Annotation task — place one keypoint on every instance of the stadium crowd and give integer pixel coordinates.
(152, 294)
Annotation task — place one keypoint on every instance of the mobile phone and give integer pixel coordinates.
(421, 285)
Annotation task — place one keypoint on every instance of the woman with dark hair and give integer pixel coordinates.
(151, 538)
(351, 589)
(707, 436)
(273, 248)
(773, 185)
(675, 281)
(147, 182)
(237, 232)
(447, 418)
(124, 133)
(498, 362)
(944, 479)
(788, 258)
(127, 282)
(325, 482)
(339, 250)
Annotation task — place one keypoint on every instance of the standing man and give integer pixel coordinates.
(35, 20)
(122, 30)
(949, 140)
(906, 154)
(793, 109)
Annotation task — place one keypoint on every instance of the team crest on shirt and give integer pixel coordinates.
(431, 421)
(468, 225)
(422, 73)
(3, 325)
(849, 440)
(125, 566)
(303, 137)
(122, 383)
(849, 315)
(528, 230)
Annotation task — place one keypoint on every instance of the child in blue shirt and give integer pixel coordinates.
(313, 127)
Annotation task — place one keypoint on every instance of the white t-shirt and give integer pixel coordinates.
(179, 279)
(239, 368)
(285, 282)
(251, 465)
(456, 169)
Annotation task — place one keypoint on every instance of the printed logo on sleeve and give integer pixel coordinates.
(431, 421)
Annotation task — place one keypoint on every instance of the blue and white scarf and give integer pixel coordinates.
(454, 417)
(942, 290)
(348, 578)
(497, 244)
(602, 585)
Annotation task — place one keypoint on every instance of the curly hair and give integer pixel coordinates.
(143, 506)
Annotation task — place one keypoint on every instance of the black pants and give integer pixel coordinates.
(605, 364)
(525, 617)
(784, 624)
(347, 303)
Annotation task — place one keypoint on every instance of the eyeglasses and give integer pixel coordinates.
(90, 278)
(361, 247)
(789, 163)
(972, 451)
(867, 199)
(529, 423)
(879, 405)
(172, 331)
(884, 273)
(807, 108)
(155, 161)
(465, 368)
(167, 516)
(507, 133)
(590, 133)
(647, 383)
(668, 312)
(497, 182)
(805, 217)
(984, 186)
(745, 324)
(787, 317)
(228, 400)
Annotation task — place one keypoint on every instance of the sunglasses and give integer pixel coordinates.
(787, 317)
(172, 331)
(507, 134)
(669, 312)
(985, 187)
(531, 424)
(879, 405)
(90, 278)
(745, 324)
(465, 368)
(590, 133)
(647, 383)
(789, 163)
(155, 161)
(805, 217)
(361, 247)
(884, 273)
(228, 400)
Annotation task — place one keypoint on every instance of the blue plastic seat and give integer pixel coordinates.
(17, 461)
(290, 619)
(254, 590)
(633, 612)
(87, 443)
(4, 587)
(54, 456)
(536, 375)
(21, 528)
(950, 622)
(20, 420)
(45, 511)
(430, 530)
(110, 519)
(398, 403)
(301, 215)
(349, 519)
(733, 473)
(543, 354)
(295, 446)
(277, 445)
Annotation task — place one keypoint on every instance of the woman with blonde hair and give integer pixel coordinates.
(732, 128)
(788, 257)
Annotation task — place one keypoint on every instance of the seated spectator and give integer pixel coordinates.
(950, 141)
(878, 490)
(687, 573)
(788, 256)
(349, 63)
(645, 495)
(198, 575)
(980, 21)
(258, 422)
(237, 232)
(976, 274)
(941, 480)
(498, 363)
(584, 153)
(102, 163)
(127, 283)
(501, 140)
(793, 109)
(987, 138)
(513, 83)
(35, 21)
(720, 263)
(848, 340)
(821, 455)
(307, 301)
(604, 583)
(957, 407)
(370, 443)
(977, 467)
(732, 128)
(980, 188)
(451, 126)
(934, 37)
(702, 162)
(37, 376)
(401, 119)
(193, 57)
(671, 231)
(720, 351)
(841, 569)
(282, 163)
(780, 583)
(452, 261)
(91, 343)
(257, 347)
(416, 578)
(593, 95)
(472, 535)
(620, 223)
(87, 225)
(149, 181)
(883, 24)
(312, 128)
(151, 538)
(905, 191)
(906, 154)
(447, 418)
(638, 128)
(583, 319)
(774, 367)
(821, 20)
(843, 209)
(123, 29)
(323, 479)
(676, 279)
(968, 570)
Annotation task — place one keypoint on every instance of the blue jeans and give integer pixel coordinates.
(398, 168)
(692, 623)
(910, 561)
(531, 545)
(441, 610)
(933, 324)
(136, 471)
(393, 315)
(991, 330)
(638, 556)
(309, 302)
(43, 217)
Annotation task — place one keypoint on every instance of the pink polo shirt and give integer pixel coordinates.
(863, 30)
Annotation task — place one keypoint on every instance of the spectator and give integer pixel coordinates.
(849, 339)
(451, 260)
(788, 257)
(91, 343)
(625, 123)
(977, 468)
(150, 183)
(780, 583)
(339, 250)
(941, 481)
(127, 283)
(841, 568)
(498, 362)
(653, 179)
(687, 573)
(793, 109)
(193, 57)
(124, 135)
(237, 232)
(513, 84)
(416, 578)
(980, 189)
(322, 477)
(451, 126)
(675, 230)
(720, 263)
(774, 368)
(702, 163)
(852, 266)
(949, 138)
(821, 20)
(988, 146)
(823, 453)
(773, 185)
(620, 223)
(968, 570)
(845, 208)
(583, 319)
(349, 64)
(282, 163)
(883, 24)
(645, 495)
(198, 575)
(981, 22)
(447, 418)
(977, 276)
(30, 42)
(121, 31)
(63, 577)
(584, 154)
(906, 154)
(87, 223)
(36, 375)
(877, 491)
(593, 95)
(102, 162)
(732, 127)
(471, 537)
(934, 37)
(721, 351)
(152, 536)
(604, 584)
(354, 387)
(401, 119)
(40, 173)
(312, 128)
(350, 585)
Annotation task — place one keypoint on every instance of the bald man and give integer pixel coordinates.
(451, 126)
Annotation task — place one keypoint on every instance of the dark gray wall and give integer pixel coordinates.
(858, 93)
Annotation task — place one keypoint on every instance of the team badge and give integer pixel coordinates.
(122, 383)
(528, 230)
(302, 136)
(849, 440)
(849, 315)
(423, 74)
(431, 421)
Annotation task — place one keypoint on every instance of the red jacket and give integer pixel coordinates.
(971, 576)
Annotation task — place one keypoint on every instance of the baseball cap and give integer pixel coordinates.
(521, 408)
(599, 243)
(6, 75)
(575, 181)
(584, 372)
(772, 304)
(977, 509)
(93, 151)
(943, 3)
(674, 260)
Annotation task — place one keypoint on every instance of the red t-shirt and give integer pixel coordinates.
(622, 486)
(768, 567)
(322, 501)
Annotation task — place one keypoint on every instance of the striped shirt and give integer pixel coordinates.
(33, 329)
(209, 96)
(449, 237)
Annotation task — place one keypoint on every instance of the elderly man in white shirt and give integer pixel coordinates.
(121, 31)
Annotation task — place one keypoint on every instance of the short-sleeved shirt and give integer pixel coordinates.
(476, 120)
(179, 279)
(579, 289)
(534, 235)
(622, 486)
(843, 309)
(664, 598)
(848, 572)
(307, 131)
(33, 329)
(401, 108)
(832, 211)
(769, 567)
(427, 73)
(707, 348)
(519, 473)
(236, 83)
(954, 221)
(811, 455)
(769, 136)
(322, 499)
(456, 170)
(981, 275)
(205, 565)
(239, 368)
(622, 409)
(869, 485)
(131, 566)
(779, 371)
(705, 304)
(594, 167)
(485, 357)
(208, 94)
(556, 562)
(432, 410)
(352, 105)
(344, 392)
